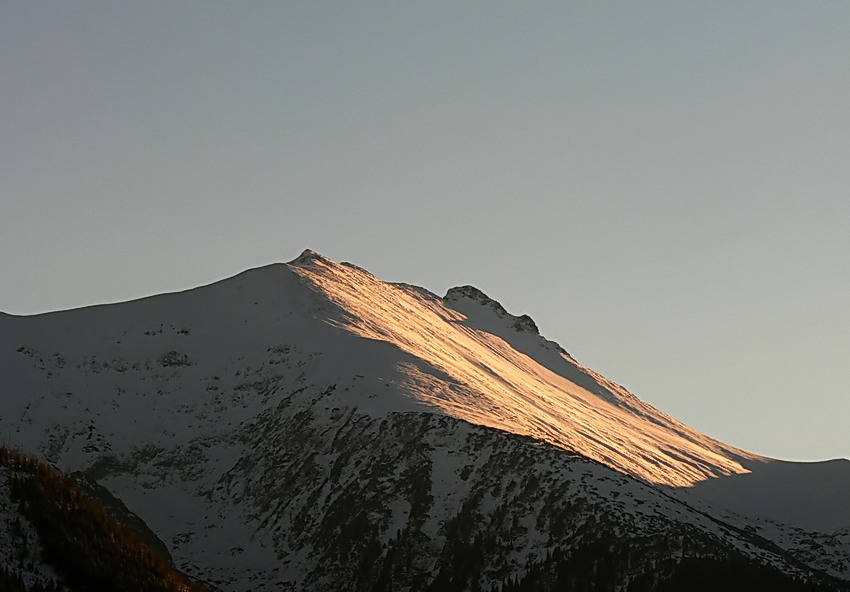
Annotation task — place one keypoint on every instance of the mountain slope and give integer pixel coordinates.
(257, 424)
(486, 379)
(57, 537)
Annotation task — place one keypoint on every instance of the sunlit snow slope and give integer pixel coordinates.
(218, 414)
(494, 369)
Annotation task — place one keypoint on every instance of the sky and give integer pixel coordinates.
(663, 186)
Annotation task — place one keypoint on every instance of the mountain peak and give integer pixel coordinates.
(308, 257)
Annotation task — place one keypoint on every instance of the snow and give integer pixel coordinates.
(809, 495)
(161, 399)
(472, 364)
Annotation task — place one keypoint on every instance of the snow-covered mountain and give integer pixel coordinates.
(308, 426)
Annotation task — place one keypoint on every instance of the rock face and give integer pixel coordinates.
(309, 427)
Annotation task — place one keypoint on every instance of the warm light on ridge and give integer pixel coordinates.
(489, 382)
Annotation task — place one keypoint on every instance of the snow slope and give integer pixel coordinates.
(166, 400)
(495, 370)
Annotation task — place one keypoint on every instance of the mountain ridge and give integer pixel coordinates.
(248, 410)
(372, 311)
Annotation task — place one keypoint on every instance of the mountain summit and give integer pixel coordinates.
(308, 426)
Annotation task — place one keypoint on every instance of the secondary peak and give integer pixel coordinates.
(473, 293)
(460, 293)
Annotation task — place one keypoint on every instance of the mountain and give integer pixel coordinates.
(307, 426)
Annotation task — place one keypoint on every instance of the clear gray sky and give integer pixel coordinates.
(663, 186)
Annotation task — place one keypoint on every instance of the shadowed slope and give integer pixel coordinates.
(810, 495)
